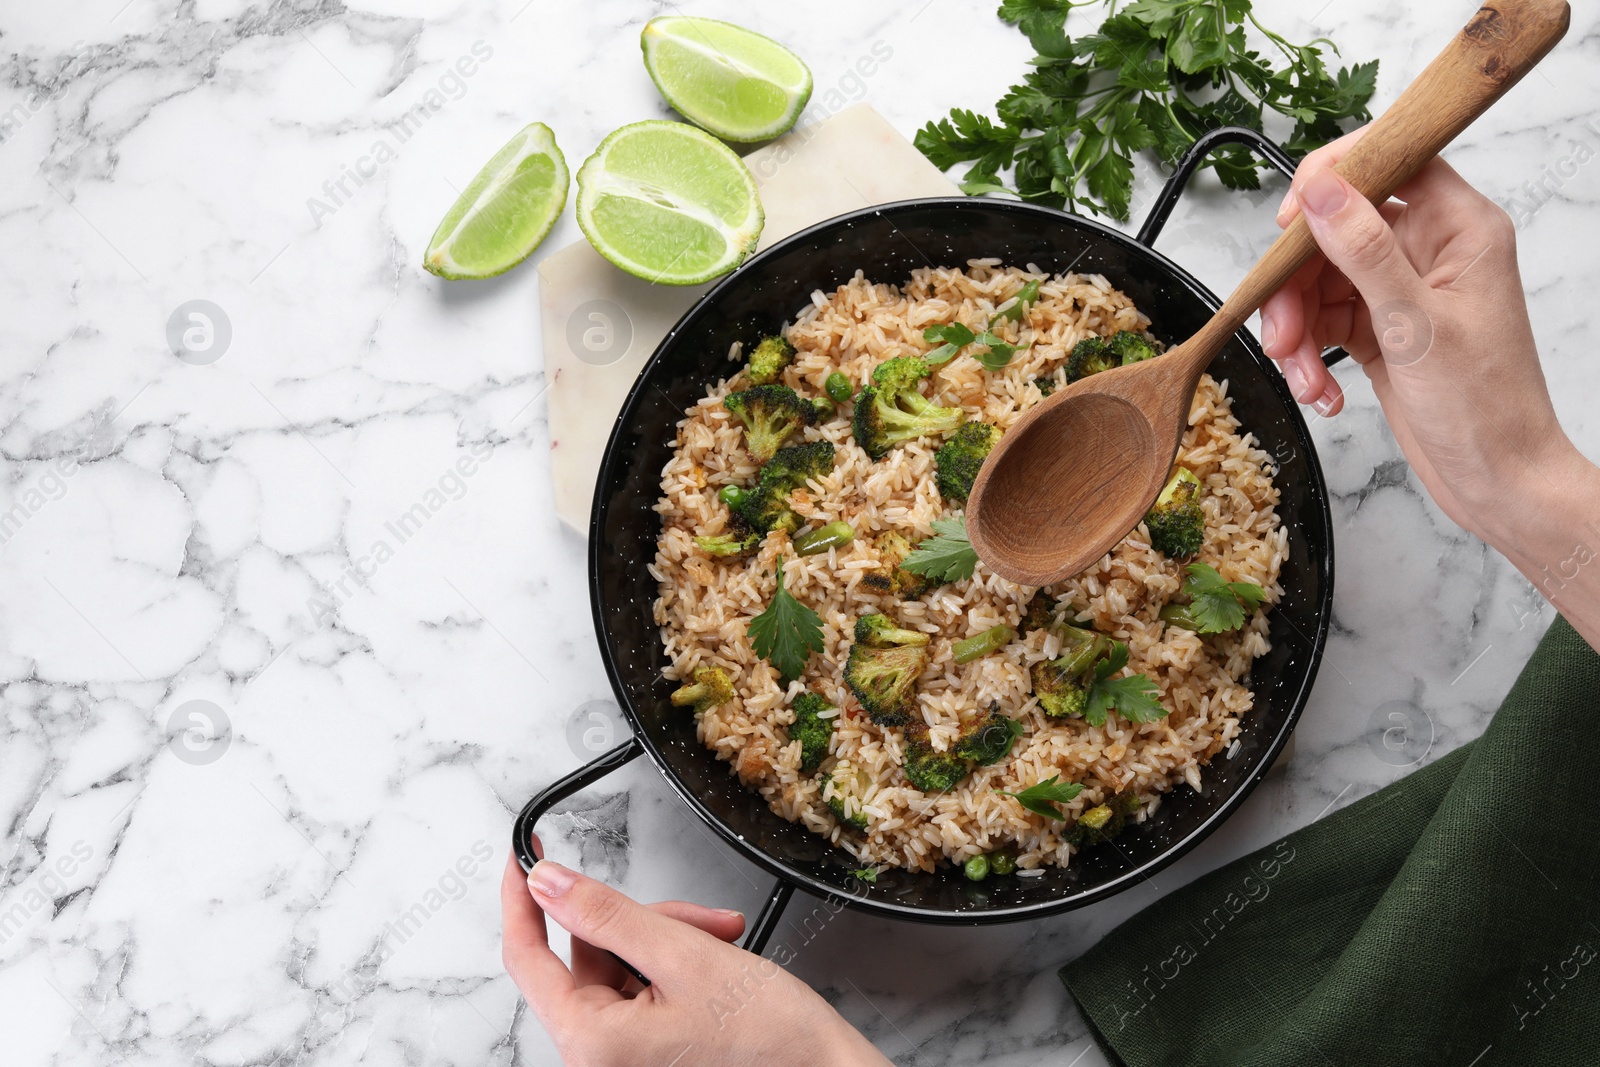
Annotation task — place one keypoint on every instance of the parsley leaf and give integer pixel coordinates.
(866, 874)
(997, 354)
(787, 632)
(967, 135)
(1041, 798)
(1154, 76)
(945, 557)
(1216, 606)
(956, 333)
(956, 336)
(1133, 697)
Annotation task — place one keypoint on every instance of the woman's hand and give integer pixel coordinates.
(1426, 296)
(709, 1003)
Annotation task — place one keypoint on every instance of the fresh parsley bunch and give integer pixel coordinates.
(1154, 76)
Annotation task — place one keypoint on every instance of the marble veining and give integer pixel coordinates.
(288, 632)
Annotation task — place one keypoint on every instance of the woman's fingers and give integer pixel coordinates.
(596, 966)
(1291, 333)
(1356, 240)
(1321, 159)
(529, 960)
(1309, 380)
(1297, 323)
(597, 914)
(1282, 321)
(724, 924)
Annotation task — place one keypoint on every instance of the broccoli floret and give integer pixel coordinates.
(883, 668)
(880, 631)
(769, 358)
(711, 687)
(889, 577)
(928, 770)
(1089, 356)
(1040, 614)
(1095, 354)
(890, 411)
(961, 457)
(737, 542)
(1091, 825)
(845, 792)
(1062, 685)
(770, 413)
(1061, 695)
(1177, 521)
(811, 729)
(792, 467)
(988, 739)
(1130, 347)
(1104, 821)
(766, 507)
(1046, 385)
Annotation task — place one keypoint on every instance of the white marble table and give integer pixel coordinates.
(400, 645)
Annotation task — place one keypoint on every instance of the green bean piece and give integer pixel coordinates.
(976, 869)
(979, 645)
(730, 495)
(1003, 862)
(833, 535)
(838, 388)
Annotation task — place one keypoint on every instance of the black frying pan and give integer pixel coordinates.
(888, 242)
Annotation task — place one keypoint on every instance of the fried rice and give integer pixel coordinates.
(705, 603)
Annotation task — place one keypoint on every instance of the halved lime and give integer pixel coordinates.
(668, 203)
(505, 211)
(736, 83)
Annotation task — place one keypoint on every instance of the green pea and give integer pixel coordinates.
(839, 387)
(730, 495)
(1003, 862)
(824, 407)
(976, 869)
(833, 535)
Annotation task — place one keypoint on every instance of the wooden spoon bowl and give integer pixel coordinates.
(1078, 471)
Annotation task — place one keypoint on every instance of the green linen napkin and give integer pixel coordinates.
(1450, 918)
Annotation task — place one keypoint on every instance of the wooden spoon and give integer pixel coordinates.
(1077, 472)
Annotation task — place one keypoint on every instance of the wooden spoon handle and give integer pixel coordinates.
(1501, 43)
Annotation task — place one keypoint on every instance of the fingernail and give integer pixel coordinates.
(1323, 193)
(1323, 405)
(1269, 332)
(1294, 374)
(1283, 207)
(730, 913)
(550, 879)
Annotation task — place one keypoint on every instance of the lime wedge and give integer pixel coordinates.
(505, 211)
(739, 85)
(668, 203)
